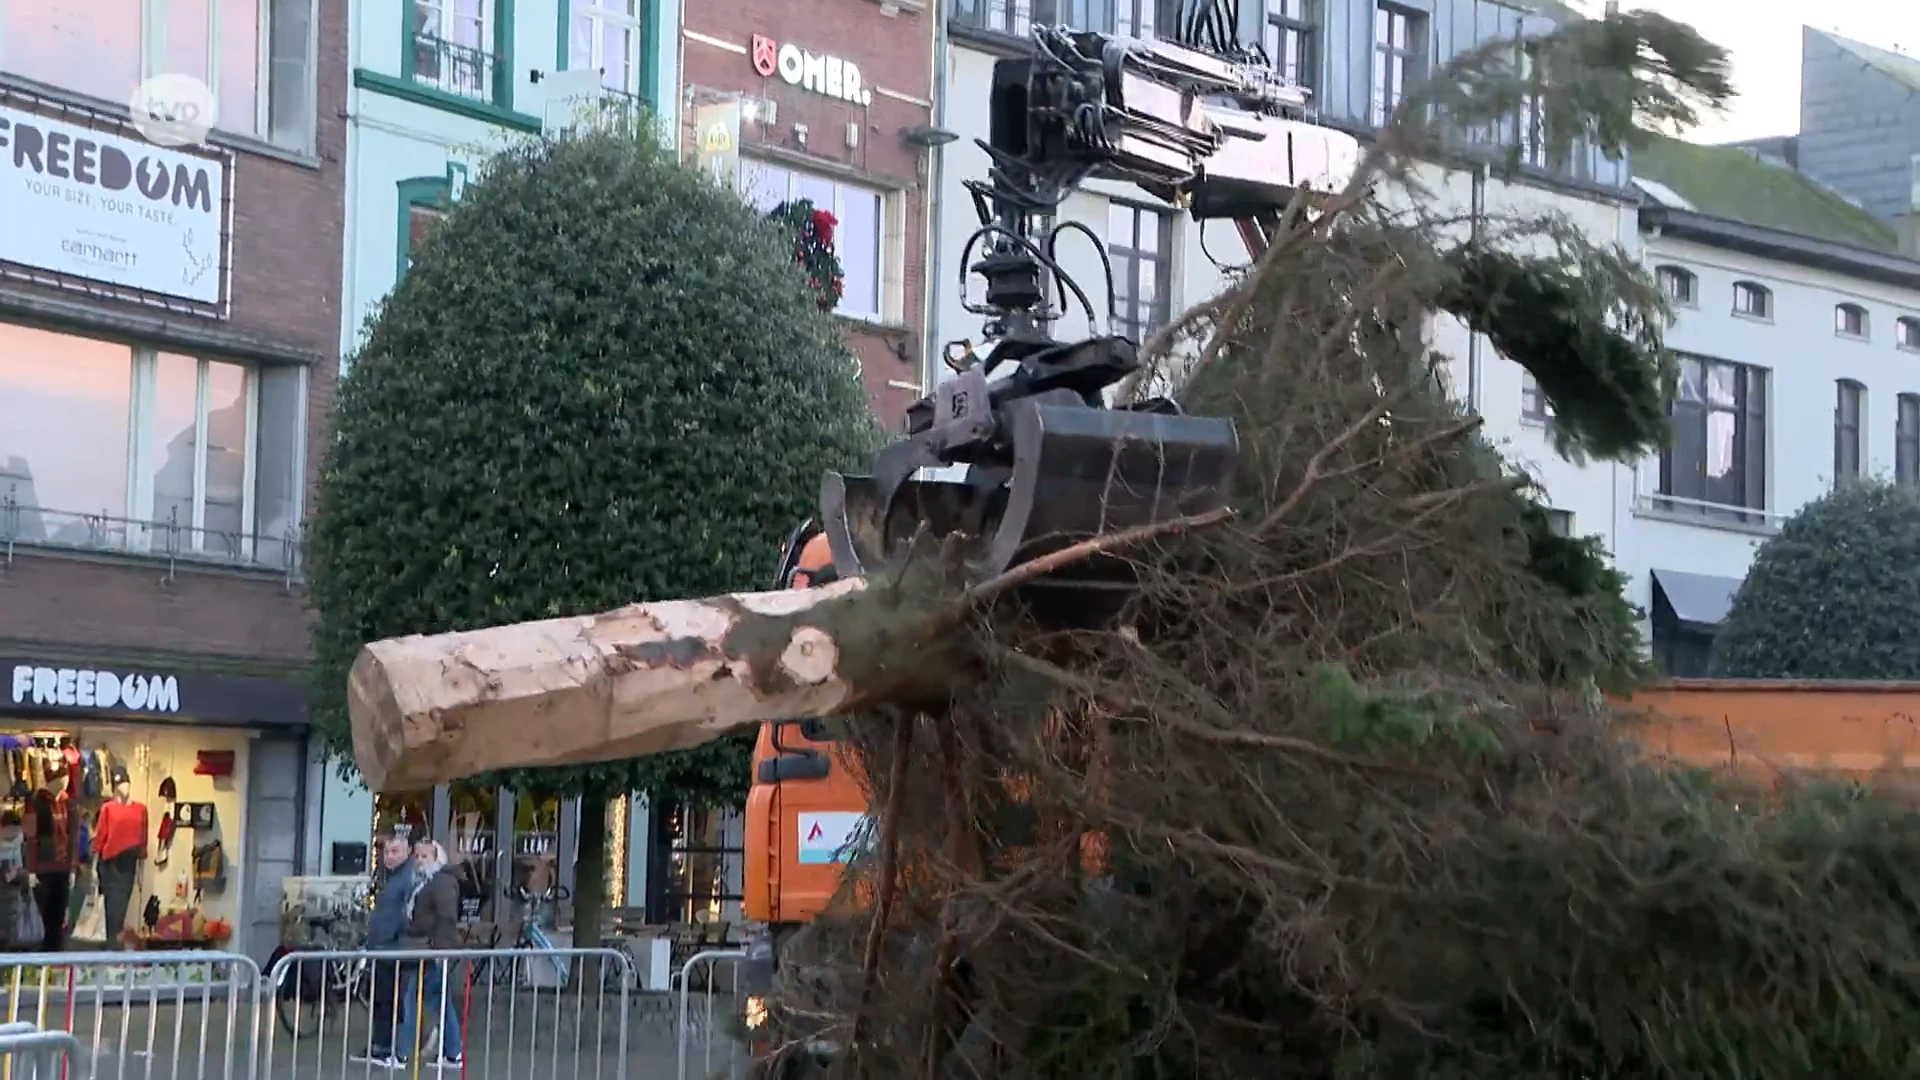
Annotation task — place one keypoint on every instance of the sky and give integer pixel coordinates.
(1766, 50)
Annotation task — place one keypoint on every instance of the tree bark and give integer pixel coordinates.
(644, 679)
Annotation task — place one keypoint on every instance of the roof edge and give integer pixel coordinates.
(1865, 263)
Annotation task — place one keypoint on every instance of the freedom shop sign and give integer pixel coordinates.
(110, 208)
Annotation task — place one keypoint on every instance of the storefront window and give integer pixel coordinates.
(408, 814)
(84, 414)
(858, 238)
(536, 842)
(187, 792)
(699, 888)
(473, 847)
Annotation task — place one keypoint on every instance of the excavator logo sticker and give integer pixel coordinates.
(830, 837)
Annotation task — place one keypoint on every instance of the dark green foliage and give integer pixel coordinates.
(602, 381)
(1608, 388)
(1833, 596)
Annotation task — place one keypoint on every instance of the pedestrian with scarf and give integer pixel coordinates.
(433, 986)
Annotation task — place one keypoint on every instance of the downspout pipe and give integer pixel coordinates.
(932, 207)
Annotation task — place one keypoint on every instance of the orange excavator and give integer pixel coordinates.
(1044, 457)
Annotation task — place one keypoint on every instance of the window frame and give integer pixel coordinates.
(1559, 522)
(1756, 290)
(1849, 408)
(431, 192)
(1666, 273)
(152, 59)
(1906, 440)
(1382, 53)
(1132, 257)
(496, 30)
(1906, 333)
(1534, 407)
(1280, 26)
(1530, 135)
(642, 25)
(1848, 308)
(1018, 17)
(1750, 441)
(885, 234)
(142, 534)
(1135, 12)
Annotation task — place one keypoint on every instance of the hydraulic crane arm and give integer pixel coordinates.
(1045, 460)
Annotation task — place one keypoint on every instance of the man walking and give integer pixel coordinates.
(387, 929)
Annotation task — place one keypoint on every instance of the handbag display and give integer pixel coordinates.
(91, 925)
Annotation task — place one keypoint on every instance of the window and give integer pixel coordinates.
(1018, 17)
(1906, 333)
(606, 34)
(135, 450)
(1906, 441)
(1850, 321)
(423, 202)
(451, 46)
(1140, 243)
(1531, 123)
(256, 55)
(857, 239)
(1560, 522)
(1717, 456)
(1533, 403)
(1291, 40)
(1846, 430)
(1133, 18)
(1398, 37)
(1677, 285)
(1751, 300)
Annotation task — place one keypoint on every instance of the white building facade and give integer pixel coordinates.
(1799, 369)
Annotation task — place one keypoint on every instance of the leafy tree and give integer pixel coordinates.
(604, 379)
(1833, 595)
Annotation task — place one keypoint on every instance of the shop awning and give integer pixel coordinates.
(1700, 601)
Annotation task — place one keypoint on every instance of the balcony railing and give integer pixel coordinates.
(1017, 18)
(30, 526)
(457, 69)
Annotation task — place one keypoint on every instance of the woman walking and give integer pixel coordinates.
(434, 923)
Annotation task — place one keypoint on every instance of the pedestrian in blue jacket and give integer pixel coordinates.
(387, 929)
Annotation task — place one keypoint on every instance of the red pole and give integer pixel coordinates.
(466, 1010)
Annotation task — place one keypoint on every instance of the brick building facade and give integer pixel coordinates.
(835, 104)
(169, 339)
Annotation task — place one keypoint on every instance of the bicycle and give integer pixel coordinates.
(532, 937)
(311, 984)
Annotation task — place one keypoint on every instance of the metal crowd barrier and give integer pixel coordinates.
(28, 1053)
(146, 1014)
(519, 1014)
(515, 1013)
(708, 1015)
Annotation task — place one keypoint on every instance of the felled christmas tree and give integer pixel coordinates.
(813, 248)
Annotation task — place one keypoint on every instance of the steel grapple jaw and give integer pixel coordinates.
(1046, 464)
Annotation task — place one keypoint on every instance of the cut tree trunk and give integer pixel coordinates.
(644, 679)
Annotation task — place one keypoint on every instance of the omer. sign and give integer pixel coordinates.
(818, 72)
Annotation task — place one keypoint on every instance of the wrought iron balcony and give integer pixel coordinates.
(25, 525)
(457, 69)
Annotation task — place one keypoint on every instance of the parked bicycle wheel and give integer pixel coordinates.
(317, 990)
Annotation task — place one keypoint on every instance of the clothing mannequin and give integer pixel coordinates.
(53, 842)
(120, 841)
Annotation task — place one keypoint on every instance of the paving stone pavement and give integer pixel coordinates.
(511, 1036)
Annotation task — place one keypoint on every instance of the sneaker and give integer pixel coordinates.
(388, 1062)
(453, 1062)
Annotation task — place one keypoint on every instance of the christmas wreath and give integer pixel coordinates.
(813, 248)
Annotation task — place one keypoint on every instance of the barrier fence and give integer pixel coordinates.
(708, 1016)
(510, 1014)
